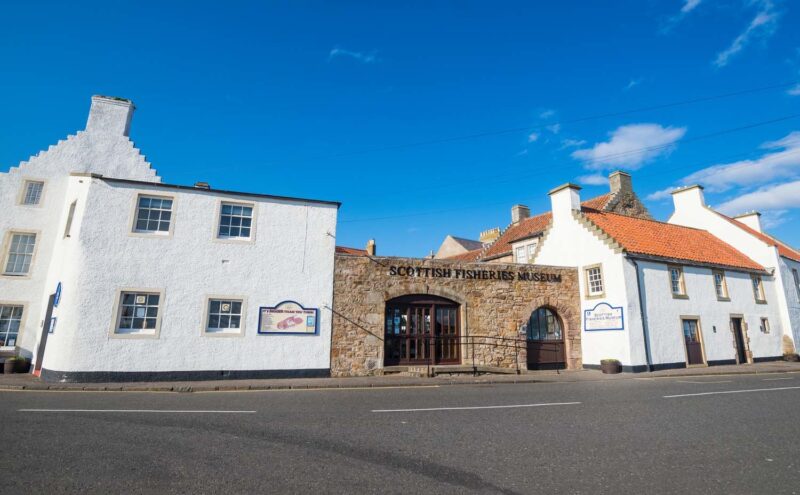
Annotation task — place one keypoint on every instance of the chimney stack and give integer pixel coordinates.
(752, 219)
(688, 198)
(110, 115)
(519, 213)
(371, 247)
(620, 181)
(564, 200)
(489, 236)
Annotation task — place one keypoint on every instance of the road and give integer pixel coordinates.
(720, 434)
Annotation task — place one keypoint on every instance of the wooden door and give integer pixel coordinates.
(545, 341)
(448, 349)
(738, 335)
(694, 348)
(421, 330)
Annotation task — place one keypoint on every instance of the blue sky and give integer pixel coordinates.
(430, 118)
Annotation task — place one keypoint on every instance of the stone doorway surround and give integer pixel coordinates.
(492, 309)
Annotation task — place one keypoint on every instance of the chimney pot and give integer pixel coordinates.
(519, 213)
(110, 115)
(202, 185)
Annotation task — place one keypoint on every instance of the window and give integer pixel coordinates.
(544, 325)
(32, 192)
(720, 284)
(224, 316)
(758, 288)
(20, 254)
(153, 215)
(676, 281)
(10, 319)
(594, 281)
(532, 249)
(521, 255)
(71, 214)
(764, 325)
(796, 282)
(138, 313)
(235, 221)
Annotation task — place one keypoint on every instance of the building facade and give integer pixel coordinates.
(110, 274)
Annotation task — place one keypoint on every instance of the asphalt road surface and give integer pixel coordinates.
(721, 434)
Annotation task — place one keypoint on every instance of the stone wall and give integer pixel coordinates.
(496, 300)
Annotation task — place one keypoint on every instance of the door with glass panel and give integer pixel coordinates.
(545, 340)
(421, 329)
(694, 347)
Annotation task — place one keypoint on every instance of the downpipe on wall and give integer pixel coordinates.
(643, 311)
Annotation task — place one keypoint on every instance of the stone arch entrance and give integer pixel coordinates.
(545, 339)
(422, 329)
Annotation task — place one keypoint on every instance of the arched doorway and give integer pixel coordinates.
(422, 329)
(545, 340)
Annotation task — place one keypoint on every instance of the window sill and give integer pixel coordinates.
(140, 335)
(761, 301)
(723, 299)
(221, 334)
(595, 296)
(679, 296)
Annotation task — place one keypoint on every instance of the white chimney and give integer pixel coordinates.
(752, 219)
(519, 212)
(564, 200)
(688, 198)
(110, 115)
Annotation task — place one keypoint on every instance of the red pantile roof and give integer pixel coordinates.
(783, 249)
(349, 250)
(468, 256)
(532, 226)
(664, 240)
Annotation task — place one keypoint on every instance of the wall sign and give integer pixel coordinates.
(57, 298)
(52, 327)
(603, 317)
(288, 318)
(458, 273)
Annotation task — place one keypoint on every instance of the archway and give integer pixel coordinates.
(545, 340)
(422, 329)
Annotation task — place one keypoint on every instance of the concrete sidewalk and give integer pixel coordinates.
(30, 382)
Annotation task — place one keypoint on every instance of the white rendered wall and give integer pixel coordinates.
(98, 151)
(792, 295)
(664, 314)
(290, 259)
(569, 243)
(691, 211)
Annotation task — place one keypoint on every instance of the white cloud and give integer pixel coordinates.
(773, 218)
(631, 146)
(555, 128)
(661, 195)
(762, 26)
(546, 114)
(773, 197)
(533, 137)
(781, 162)
(572, 143)
(794, 90)
(593, 180)
(367, 58)
(633, 83)
(689, 5)
(522, 153)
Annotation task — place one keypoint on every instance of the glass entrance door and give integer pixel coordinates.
(694, 348)
(421, 330)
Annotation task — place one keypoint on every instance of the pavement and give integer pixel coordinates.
(647, 433)
(30, 382)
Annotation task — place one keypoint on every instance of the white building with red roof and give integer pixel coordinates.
(746, 233)
(657, 295)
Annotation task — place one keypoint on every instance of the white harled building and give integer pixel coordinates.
(110, 274)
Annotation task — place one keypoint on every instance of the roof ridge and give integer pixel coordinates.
(651, 220)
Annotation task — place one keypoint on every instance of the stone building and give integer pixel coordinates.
(393, 314)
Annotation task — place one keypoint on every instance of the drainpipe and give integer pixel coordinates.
(645, 332)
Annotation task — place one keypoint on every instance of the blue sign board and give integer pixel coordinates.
(57, 298)
(603, 317)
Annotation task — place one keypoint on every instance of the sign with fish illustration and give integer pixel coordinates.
(288, 318)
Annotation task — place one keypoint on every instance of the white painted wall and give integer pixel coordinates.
(103, 148)
(692, 211)
(664, 313)
(290, 259)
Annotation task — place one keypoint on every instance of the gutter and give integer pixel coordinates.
(645, 330)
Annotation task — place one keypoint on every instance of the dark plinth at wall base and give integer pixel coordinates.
(765, 359)
(641, 368)
(176, 376)
(722, 362)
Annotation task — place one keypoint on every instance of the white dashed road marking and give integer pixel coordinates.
(511, 406)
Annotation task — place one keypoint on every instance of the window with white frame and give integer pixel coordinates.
(532, 249)
(594, 281)
(676, 281)
(720, 284)
(796, 282)
(153, 215)
(764, 325)
(235, 221)
(10, 320)
(521, 254)
(224, 316)
(138, 313)
(20, 253)
(758, 288)
(32, 192)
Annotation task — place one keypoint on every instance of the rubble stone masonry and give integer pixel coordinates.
(495, 300)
